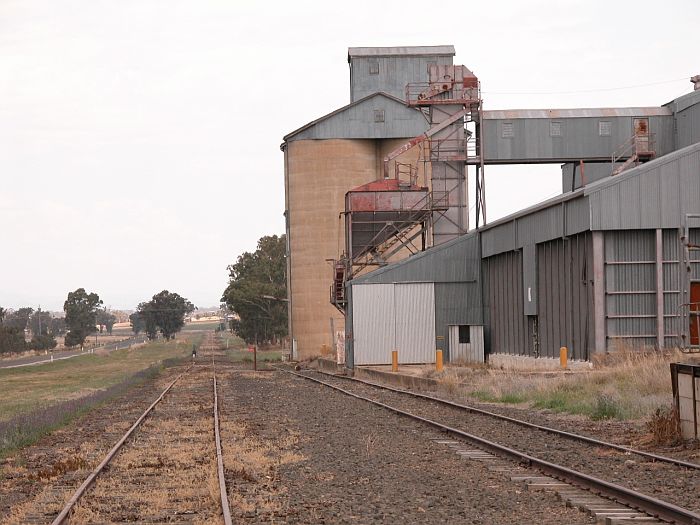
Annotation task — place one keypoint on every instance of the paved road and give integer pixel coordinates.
(67, 354)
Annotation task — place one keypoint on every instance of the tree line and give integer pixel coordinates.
(85, 315)
(257, 292)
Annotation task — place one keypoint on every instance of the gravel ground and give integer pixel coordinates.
(306, 454)
(631, 433)
(661, 480)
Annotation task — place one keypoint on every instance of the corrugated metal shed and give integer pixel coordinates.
(563, 215)
(658, 194)
(454, 267)
(377, 116)
(450, 262)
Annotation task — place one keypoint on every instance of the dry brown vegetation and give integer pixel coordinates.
(253, 462)
(625, 384)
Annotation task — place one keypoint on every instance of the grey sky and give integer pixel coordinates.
(139, 139)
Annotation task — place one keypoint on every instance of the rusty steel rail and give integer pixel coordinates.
(647, 504)
(63, 515)
(555, 431)
(219, 457)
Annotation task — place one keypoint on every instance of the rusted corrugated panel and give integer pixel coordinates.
(385, 200)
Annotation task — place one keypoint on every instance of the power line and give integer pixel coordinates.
(584, 90)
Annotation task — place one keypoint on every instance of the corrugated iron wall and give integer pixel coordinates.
(455, 304)
(673, 287)
(505, 324)
(517, 138)
(657, 194)
(565, 294)
(374, 324)
(630, 288)
(415, 322)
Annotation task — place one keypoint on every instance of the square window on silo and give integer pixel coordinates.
(604, 128)
(555, 129)
(507, 130)
(379, 115)
(374, 67)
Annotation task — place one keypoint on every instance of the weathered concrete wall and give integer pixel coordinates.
(318, 173)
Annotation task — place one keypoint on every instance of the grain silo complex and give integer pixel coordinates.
(376, 194)
(333, 154)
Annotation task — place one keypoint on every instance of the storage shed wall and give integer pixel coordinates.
(565, 294)
(567, 216)
(505, 329)
(454, 268)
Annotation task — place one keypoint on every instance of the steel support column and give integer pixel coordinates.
(660, 335)
(599, 291)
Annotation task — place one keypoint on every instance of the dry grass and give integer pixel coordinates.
(625, 384)
(253, 461)
(50, 502)
(170, 466)
(664, 426)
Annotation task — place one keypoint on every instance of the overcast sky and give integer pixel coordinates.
(139, 139)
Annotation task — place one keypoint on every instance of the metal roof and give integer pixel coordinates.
(400, 51)
(684, 101)
(344, 108)
(577, 113)
(641, 169)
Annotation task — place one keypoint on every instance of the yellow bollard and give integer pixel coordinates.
(438, 360)
(394, 360)
(563, 356)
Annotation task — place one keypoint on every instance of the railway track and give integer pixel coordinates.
(168, 467)
(653, 486)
